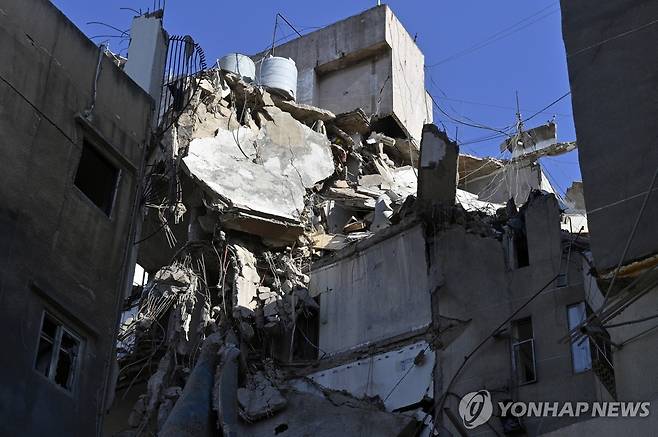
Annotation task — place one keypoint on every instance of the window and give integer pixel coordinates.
(97, 177)
(591, 352)
(581, 355)
(523, 351)
(58, 353)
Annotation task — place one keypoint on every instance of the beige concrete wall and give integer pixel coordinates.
(333, 48)
(358, 86)
(368, 61)
(379, 293)
(408, 79)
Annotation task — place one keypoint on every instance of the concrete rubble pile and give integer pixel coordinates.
(270, 186)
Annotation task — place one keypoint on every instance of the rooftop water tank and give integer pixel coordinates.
(279, 75)
(239, 64)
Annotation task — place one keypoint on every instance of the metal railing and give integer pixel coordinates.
(185, 61)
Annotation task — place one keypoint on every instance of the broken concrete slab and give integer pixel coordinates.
(301, 418)
(350, 198)
(371, 180)
(247, 280)
(219, 166)
(472, 167)
(575, 198)
(275, 231)
(353, 122)
(265, 172)
(383, 213)
(404, 183)
(304, 113)
(260, 398)
(406, 150)
(376, 375)
(288, 147)
(470, 202)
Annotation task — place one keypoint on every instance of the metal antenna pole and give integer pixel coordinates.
(519, 122)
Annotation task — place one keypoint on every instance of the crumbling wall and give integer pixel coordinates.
(257, 183)
(476, 291)
(378, 293)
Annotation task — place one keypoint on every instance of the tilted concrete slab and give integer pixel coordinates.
(264, 173)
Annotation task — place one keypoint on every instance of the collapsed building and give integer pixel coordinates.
(321, 258)
(308, 275)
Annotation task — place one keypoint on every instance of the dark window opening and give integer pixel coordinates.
(97, 177)
(523, 351)
(57, 353)
(389, 127)
(521, 248)
(307, 337)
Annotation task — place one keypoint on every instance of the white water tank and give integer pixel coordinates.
(279, 75)
(241, 65)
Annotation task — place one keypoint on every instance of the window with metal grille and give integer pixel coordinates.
(58, 353)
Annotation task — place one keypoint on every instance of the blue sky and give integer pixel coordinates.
(478, 53)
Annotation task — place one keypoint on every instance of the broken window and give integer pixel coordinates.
(97, 177)
(58, 353)
(523, 351)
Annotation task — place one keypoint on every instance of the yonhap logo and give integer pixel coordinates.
(475, 408)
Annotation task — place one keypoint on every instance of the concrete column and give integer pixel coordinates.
(437, 171)
(147, 54)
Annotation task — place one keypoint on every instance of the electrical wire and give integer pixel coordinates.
(486, 339)
(37, 110)
(288, 23)
(506, 108)
(501, 34)
(547, 106)
(632, 234)
(99, 23)
(478, 126)
(492, 137)
(406, 373)
(631, 322)
(486, 162)
(635, 337)
(607, 40)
